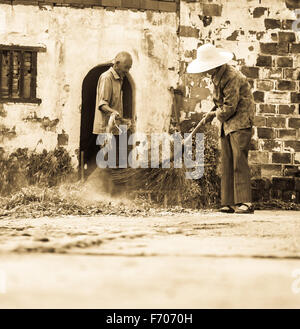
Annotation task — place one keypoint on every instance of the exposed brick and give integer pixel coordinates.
(295, 48)
(276, 122)
(288, 73)
(111, 3)
(207, 20)
(294, 123)
(278, 157)
(131, 4)
(271, 73)
(293, 144)
(271, 145)
(190, 53)
(255, 171)
(286, 109)
(286, 36)
(266, 108)
(199, 92)
(264, 60)
(149, 4)
(260, 121)
(32, 2)
(292, 4)
(266, 133)
(283, 183)
(212, 10)
(259, 96)
(268, 48)
(259, 11)
(233, 36)
(250, 72)
(285, 62)
(272, 23)
(260, 184)
(196, 116)
(286, 85)
(188, 31)
(265, 85)
(259, 35)
(274, 36)
(167, 6)
(257, 157)
(282, 48)
(188, 104)
(295, 97)
(274, 48)
(62, 139)
(287, 24)
(277, 97)
(269, 170)
(290, 170)
(287, 134)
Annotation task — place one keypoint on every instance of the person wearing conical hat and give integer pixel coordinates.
(234, 109)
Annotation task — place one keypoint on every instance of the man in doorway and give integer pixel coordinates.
(109, 92)
(235, 110)
(109, 99)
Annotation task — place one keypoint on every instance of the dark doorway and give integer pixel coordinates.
(87, 138)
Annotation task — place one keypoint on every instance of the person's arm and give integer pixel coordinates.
(108, 110)
(231, 93)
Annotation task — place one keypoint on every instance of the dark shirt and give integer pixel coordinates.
(233, 96)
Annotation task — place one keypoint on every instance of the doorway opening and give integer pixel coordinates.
(88, 147)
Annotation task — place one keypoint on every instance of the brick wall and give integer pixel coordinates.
(267, 51)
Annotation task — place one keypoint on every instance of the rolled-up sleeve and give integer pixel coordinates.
(230, 101)
(104, 92)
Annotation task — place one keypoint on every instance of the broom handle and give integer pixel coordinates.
(199, 125)
(192, 134)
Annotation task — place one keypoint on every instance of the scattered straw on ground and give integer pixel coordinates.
(75, 199)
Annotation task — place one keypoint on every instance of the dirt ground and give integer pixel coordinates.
(200, 260)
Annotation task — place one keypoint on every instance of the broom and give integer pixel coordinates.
(164, 183)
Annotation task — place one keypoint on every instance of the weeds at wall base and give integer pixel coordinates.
(24, 168)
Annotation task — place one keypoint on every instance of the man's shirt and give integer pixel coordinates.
(109, 92)
(233, 96)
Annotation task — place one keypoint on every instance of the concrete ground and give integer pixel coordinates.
(204, 260)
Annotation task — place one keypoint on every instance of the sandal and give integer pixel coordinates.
(245, 209)
(227, 209)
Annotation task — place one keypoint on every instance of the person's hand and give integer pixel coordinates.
(210, 116)
(116, 114)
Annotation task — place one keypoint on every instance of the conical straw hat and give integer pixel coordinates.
(209, 57)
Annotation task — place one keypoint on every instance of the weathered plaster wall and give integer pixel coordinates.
(267, 50)
(77, 40)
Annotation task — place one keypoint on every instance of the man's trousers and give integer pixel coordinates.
(235, 179)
